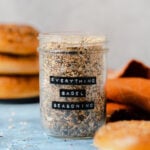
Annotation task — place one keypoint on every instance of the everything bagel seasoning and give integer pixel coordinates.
(72, 80)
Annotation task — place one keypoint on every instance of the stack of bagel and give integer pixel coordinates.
(18, 62)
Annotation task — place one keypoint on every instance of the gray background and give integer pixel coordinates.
(126, 23)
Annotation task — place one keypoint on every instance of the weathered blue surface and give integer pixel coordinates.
(20, 129)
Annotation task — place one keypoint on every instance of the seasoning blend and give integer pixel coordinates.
(72, 80)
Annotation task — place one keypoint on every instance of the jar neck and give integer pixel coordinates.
(70, 42)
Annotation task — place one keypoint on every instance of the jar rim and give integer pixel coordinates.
(72, 39)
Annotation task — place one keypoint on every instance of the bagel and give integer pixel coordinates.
(19, 64)
(124, 135)
(13, 87)
(18, 39)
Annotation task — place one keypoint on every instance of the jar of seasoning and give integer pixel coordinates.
(72, 81)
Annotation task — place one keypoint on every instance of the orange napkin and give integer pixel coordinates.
(129, 90)
(133, 68)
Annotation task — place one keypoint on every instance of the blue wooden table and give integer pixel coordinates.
(20, 129)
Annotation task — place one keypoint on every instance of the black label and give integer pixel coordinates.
(72, 105)
(73, 80)
(72, 93)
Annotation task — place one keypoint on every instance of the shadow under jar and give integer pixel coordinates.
(72, 81)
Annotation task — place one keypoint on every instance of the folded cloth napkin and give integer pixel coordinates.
(128, 92)
(133, 68)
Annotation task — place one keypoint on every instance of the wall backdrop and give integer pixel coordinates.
(125, 23)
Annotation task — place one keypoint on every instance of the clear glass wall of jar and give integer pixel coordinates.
(72, 81)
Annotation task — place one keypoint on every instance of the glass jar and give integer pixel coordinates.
(72, 81)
